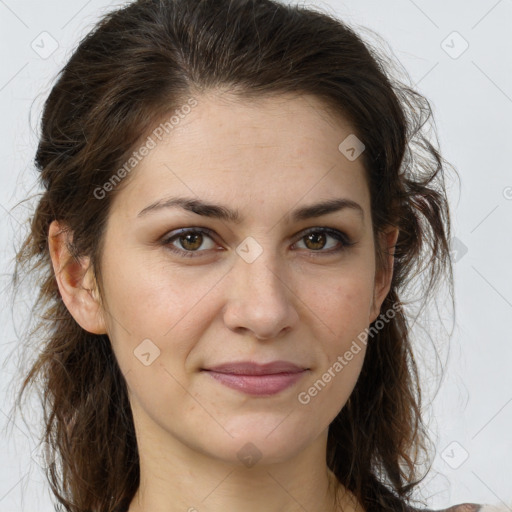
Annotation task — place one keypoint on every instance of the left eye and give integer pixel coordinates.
(318, 237)
(315, 240)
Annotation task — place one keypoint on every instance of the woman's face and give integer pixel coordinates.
(259, 289)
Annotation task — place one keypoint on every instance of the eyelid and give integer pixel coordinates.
(176, 233)
(335, 233)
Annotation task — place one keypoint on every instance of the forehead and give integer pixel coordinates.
(268, 150)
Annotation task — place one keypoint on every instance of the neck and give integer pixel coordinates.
(178, 474)
(194, 482)
(273, 489)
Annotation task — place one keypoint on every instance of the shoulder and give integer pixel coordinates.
(464, 507)
(476, 507)
(461, 507)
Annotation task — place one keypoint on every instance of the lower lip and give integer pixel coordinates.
(258, 384)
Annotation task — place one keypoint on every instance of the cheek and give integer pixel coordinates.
(341, 310)
(341, 301)
(150, 297)
(340, 357)
(342, 318)
(348, 319)
(156, 302)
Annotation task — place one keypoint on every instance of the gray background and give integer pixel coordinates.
(470, 91)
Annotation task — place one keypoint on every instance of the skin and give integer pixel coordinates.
(294, 302)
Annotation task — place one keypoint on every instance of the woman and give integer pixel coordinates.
(236, 194)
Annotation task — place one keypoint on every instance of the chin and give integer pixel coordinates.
(253, 444)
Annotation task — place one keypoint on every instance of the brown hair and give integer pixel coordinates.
(138, 65)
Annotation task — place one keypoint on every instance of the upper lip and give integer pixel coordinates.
(252, 368)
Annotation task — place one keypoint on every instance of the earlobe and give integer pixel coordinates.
(75, 280)
(383, 278)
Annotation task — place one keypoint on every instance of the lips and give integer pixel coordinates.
(257, 379)
(253, 368)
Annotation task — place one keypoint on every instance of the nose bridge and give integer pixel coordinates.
(260, 268)
(260, 297)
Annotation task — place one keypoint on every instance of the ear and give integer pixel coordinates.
(383, 277)
(75, 280)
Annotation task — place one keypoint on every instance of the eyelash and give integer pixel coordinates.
(338, 235)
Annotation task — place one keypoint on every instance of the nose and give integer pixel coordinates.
(260, 299)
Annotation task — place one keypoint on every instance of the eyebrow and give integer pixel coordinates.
(225, 213)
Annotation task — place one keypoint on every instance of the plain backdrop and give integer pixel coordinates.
(458, 54)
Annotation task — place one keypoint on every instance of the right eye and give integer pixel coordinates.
(190, 239)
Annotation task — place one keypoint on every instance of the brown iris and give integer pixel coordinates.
(196, 239)
(315, 237)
